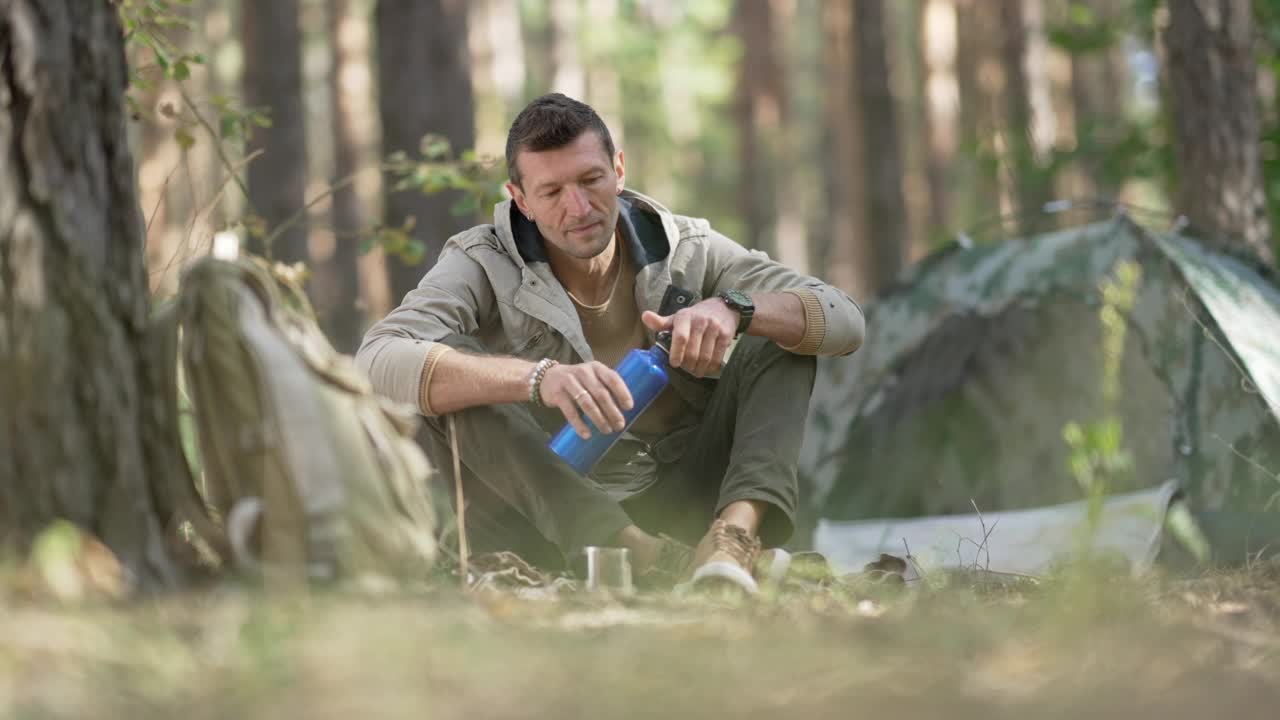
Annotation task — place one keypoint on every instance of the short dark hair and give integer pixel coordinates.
(549, 122)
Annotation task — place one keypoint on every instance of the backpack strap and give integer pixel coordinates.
(314, 472)
(177, 498)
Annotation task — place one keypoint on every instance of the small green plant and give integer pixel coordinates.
(1098, 459)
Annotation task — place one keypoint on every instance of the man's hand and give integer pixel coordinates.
(700, 335)
(592, 387)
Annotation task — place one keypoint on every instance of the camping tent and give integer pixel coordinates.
(1163, 356)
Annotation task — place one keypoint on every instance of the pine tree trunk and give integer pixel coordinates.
(1098, 105)
(790, 233)
(1212, 78)
(938, 46)
(886, 227)
(567, 74)
(758, 106)
(82, 427)
(498, 72)
(335, 282)
(424, 87)
(845, 258)
(273, 78)
(538, 39)
(603, 85)
(1025, 184)
(976, 194)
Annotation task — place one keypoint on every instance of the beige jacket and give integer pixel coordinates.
(493, 282)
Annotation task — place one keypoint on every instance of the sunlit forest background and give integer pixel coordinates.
(847, 139)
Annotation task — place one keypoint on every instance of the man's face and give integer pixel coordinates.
(571, 193)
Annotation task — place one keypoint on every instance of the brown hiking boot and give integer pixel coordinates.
(730, 556)
(666, 567)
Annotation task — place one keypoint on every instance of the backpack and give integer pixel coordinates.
(313, 474)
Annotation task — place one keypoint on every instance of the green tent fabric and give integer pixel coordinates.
(977, 361)
(1245, 308)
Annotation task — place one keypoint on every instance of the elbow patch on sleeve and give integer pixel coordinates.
(815, 323)
(424, 382)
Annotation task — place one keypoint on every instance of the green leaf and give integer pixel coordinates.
(414, 252)
(181, 71)
(435, 147)
(466, 205)
(184, 137)
(228, 126)
(438, 179)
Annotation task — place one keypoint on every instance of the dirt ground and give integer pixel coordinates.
(956, 647)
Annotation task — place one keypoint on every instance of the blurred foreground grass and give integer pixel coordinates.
(1069, 647)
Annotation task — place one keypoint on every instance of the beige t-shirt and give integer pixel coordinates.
(613, 329)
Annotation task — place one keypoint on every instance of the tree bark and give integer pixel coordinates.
(83, 429)
(758, 106)
(938, 47)
(567, 74)
(538, 40)
(790, 233)
(845, 259)
(976, 193)
(1212, 78)
(603, 86)
(425, 87)
(1098, 105)
(1025, 185)
(273, 78)
(335, 282)
(886, 227)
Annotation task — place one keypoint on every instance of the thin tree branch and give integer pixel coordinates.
(217, 144)
(293, 219)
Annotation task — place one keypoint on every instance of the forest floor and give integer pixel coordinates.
(1068, 647)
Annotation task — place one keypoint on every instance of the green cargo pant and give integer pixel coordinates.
(521, 497)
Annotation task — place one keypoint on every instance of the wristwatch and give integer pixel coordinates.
(741, 302)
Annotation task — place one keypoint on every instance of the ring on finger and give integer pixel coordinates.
(584, 392)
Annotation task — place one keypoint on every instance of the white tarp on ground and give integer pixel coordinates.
(1031, 541)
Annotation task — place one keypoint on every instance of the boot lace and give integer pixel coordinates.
(735, 542)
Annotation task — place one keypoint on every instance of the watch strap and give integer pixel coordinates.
(746, 311)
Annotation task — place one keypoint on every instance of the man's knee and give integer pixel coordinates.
(754, 355)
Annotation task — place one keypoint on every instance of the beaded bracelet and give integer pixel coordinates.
(535, 380)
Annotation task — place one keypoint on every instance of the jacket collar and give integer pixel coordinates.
(650, 233)
(646, 226)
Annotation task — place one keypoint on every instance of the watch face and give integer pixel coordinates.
(738, 297)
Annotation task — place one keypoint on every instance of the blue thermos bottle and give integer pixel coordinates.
(645, 373)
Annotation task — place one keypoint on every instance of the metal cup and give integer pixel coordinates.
(606, 570)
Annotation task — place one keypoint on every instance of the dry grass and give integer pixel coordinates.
(1067, 648)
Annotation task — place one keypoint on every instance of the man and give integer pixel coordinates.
(517, 327)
